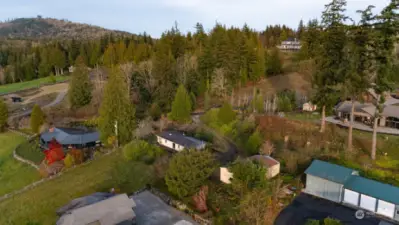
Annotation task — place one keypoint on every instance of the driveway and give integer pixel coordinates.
(306, 207)
(56, 101)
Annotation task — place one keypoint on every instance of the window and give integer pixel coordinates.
(174, 146)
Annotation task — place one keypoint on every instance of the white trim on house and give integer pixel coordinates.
(169, 144)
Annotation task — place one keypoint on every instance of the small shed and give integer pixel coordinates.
(272, 165)
(309, 107)
(326, 180)
(179, 141)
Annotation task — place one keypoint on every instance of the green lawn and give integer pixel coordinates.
(14, 87)
(13, 174)
(305, 116)
(40, 203)
(31, 151)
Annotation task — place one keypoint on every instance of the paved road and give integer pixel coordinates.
(306, 207)
(56, 101)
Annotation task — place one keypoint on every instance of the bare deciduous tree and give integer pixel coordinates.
(185, 65)
(145, 72)
(128, 69)
(219, 82)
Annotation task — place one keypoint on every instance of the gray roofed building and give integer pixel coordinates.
(179, 141)
(70, 136)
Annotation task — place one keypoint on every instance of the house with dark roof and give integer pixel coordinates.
(77, 137)
(343, 185)
(179, 141)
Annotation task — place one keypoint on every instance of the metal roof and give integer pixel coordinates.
(373, 189)
(331, 172)
(71, 136)
(181, 139)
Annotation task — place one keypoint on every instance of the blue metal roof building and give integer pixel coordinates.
(70, 136)
(344, 185)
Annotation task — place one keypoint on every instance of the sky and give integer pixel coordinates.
(156, 16)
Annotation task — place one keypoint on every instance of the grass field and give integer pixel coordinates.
(14, 87)
(13, 174)
(38, 205)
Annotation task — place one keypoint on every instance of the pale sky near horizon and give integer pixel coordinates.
(156, 16)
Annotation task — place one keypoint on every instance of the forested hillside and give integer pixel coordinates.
(48, 28)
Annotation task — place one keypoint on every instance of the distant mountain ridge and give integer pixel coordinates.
(49, 28)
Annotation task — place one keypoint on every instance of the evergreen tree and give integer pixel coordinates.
(80, 87)
(181, 106)
(226, 114)
(357, 80)
(188, 171)
(37, 119)
(110, 56)
(301, 29)
(310, 40)
(3, 115)
(116, 111)
(330, 62)
(164, 69)
(273, 62)
(95, 54)
(386, 33)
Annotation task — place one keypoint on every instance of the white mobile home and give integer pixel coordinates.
(178, 141)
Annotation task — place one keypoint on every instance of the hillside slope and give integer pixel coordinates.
(48, 28)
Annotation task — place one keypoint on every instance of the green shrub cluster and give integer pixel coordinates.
(138, 150)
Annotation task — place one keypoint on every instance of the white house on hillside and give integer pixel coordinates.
(178, 141)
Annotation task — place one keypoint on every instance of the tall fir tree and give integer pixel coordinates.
(386, 33)
(273, 62)
(330, 62)
(37, 119)
(117, 113)
(181, 106)
(357, 80)
(80, 86)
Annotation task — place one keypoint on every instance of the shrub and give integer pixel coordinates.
(312, 222)
(139, 150)
(188, 171)
(247, 176)
(69, 161)
(253, 144)
(52, 78)
(226, 114)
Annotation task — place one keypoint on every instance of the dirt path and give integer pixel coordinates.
(45, 90)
